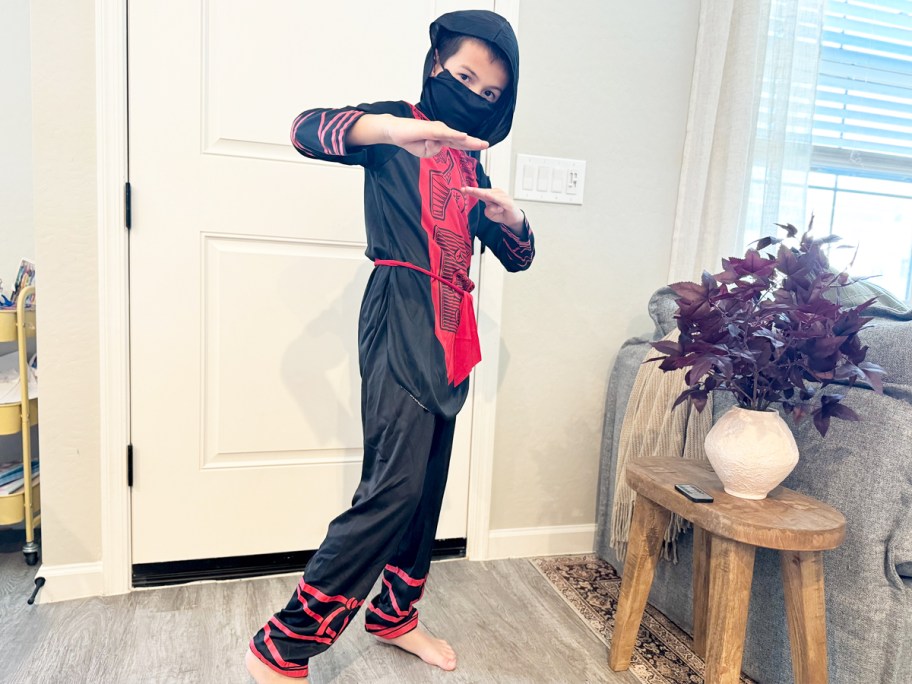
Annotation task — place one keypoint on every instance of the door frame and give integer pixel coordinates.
(114, 313)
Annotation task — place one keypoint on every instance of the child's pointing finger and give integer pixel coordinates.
(480, 193)
(467, 142)
(457, 139)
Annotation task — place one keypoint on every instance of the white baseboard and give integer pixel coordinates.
(65, 582)
(524, 542)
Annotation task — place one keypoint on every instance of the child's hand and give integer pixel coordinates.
(426, 138)
(499, 207)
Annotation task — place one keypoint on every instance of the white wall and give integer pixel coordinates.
(17, 237)
(607, 82)
(66, 246)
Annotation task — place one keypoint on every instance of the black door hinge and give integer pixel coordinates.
(128, 206)
(129, 465)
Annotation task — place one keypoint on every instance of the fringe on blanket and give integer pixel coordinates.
(652, 428)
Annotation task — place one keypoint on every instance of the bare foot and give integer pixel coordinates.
(430, 649)
(264, 675)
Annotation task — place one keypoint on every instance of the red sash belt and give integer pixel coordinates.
(461, 349)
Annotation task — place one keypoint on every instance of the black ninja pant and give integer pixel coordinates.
(389, 530)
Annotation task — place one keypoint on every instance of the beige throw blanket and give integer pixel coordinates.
(651, 429)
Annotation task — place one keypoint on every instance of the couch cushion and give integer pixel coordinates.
(662, 310)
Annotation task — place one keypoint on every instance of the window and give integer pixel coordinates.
(860, 185)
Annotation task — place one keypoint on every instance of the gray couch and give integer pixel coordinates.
(864, 469)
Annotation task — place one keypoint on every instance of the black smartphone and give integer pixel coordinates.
(694, 493)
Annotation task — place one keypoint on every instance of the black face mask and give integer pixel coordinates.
(452, 102)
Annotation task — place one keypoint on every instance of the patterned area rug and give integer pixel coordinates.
(663, 653)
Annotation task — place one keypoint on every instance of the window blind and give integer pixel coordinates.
(864, 87)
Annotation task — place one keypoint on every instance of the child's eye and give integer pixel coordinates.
(464, 77)
(490, 95)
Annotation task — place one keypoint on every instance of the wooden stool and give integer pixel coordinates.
(726, 535)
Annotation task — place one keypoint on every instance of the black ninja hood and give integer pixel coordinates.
(495, 29)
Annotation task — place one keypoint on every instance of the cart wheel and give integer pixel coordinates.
(30, 551)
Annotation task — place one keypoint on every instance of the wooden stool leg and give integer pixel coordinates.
(645, 542)
(701, 552)
(731, 570)
(802, 579)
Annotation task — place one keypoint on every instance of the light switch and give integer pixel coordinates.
(549, 179)
(544, 178)
(557, 180)
(528, 177)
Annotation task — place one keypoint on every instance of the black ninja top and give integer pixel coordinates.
(417, 323)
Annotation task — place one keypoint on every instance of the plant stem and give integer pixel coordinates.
(734, 387)
(754, 400)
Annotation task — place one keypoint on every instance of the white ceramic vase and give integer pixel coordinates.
(751, 451)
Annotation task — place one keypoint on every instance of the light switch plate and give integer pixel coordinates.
(549, 179)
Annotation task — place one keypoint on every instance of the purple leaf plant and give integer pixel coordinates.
(770, 329)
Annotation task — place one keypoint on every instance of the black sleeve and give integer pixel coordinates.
(514, 251)
(320, 134)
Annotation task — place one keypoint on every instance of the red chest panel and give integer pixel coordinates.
(445, 218)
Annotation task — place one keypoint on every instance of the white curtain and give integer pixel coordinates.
(783, 143)
(756, 63)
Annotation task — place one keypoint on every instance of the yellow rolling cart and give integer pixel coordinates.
(17, 326)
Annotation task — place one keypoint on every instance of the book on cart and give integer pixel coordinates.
(16, 486)
(12, 477)
(10, 388)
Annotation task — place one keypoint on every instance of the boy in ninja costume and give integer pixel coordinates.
(426, 198)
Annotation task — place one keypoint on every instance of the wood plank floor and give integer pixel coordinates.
(505, 621)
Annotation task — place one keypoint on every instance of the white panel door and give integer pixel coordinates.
(247, 268)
